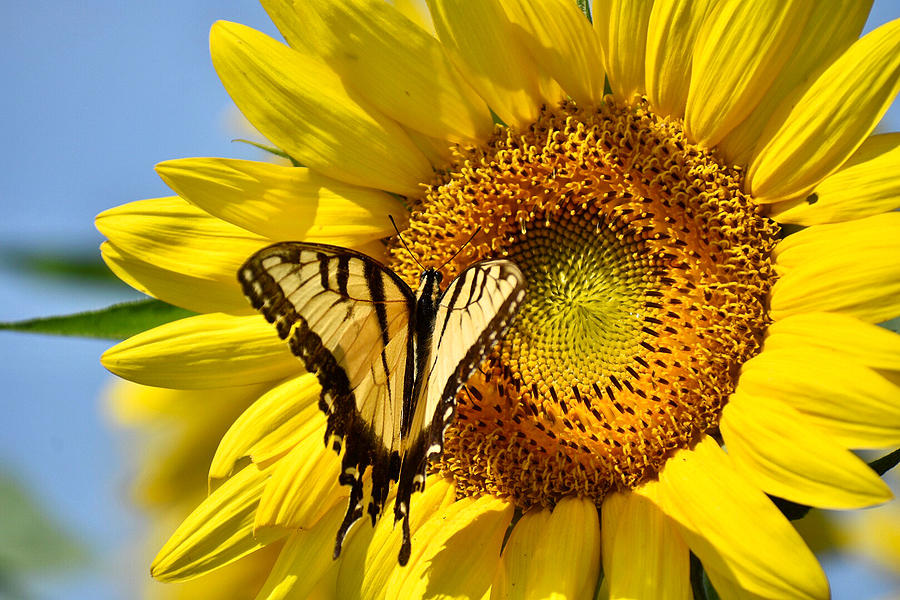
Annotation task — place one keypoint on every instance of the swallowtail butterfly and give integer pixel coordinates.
(390, 361)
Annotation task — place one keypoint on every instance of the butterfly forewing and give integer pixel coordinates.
(349, 320)
(472, 315)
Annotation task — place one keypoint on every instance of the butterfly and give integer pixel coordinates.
(390, 362)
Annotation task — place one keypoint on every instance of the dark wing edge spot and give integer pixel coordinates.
(344, 429)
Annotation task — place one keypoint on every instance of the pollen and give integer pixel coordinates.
(647, 270)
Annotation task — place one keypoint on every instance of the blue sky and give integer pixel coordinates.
(96, 93)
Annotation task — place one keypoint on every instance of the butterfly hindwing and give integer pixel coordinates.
(349, 320)
(471, 316)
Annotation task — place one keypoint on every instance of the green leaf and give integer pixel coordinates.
(711, 593)
(585, 7)
(115, 322)
(598, 588)
(788, 229)
(30, 538)
(78, 265)
(497, 120)
(886, 463)
(270, 150)
(791, 510)
(893, 325)
(700, 583)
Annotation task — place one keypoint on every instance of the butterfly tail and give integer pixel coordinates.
(354, 512)
(406, 545)
(412, 479)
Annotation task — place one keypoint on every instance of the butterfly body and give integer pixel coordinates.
(390, 361)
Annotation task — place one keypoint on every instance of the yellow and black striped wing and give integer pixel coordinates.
(472, 315)
(349, 320)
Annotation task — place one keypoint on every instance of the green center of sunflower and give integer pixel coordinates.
(585, 297)
(647, 271)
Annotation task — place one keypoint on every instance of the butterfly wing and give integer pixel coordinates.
(472, 315)
(349, 320)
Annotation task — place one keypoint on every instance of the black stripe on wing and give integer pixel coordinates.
(464, 292)
(327, 268)
(477, 353)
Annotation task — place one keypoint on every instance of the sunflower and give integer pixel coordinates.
(179, 431)
(678, 361)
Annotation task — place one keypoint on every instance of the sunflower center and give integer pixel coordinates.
(585, 296)
(646, 270)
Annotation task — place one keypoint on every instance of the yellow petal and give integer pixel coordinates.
(483, 44)
(396, 65)
(218, 532)
(644, 557)
(776, 448)
(865, 185)
(455, 552)
(165, 230)
(830, 121)
(324, 590)
(271, 426)
(562, 40)
(353, 561)
(843, 336)
(239, 579)
(370, 561)
(846, 267)
(437, 151)
(133, 405)
(734, 528)
(189, 292)
(621, 27)
(304, 560)
(303, 487)
(671, 35)
(854, 404)
(284, 14)
(197, 419)
(832, 27)
(603, 590)
(727, 588)
(740, 50)
(285, 19)
(206, 351)
(552, 554)
(153, 238)
(283, 203)
(353, 570)
(416, 12)
(801, 249)
(301, 106)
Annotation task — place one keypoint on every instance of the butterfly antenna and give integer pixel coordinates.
(402, 241)
(472, 237)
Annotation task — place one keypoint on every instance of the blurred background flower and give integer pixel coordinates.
(97, 93)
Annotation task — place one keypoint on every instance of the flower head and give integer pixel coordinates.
(677, 357)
